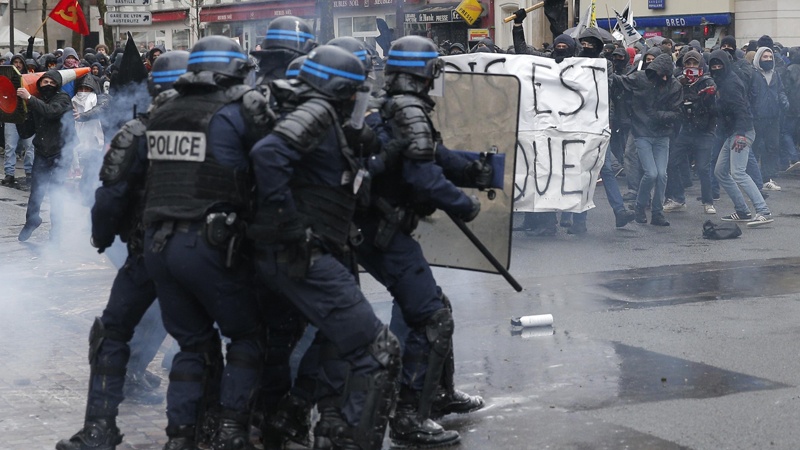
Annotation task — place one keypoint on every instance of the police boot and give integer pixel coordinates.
(332, 431)
(232, 433)
(97, 434)
(181, 438)
(455, 402)
(408, 429)
(292, 419)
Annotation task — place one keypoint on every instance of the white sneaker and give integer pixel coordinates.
(672, 206)
(771, 186)
(709, 209)
(793, 166)
(760, 220)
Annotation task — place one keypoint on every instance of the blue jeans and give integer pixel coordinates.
(699, 145)
(654, 156)
(731, 171)
(752, 168)
(12, 140)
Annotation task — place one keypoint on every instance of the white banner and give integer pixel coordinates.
(626, 26)
(563, 126)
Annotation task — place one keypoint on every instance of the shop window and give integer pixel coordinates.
(345, 26)
(365, 24)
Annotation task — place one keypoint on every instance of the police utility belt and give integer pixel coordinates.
(221, 230)
(393, 219)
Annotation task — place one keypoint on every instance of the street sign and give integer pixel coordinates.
(129, 18)
(127, 2)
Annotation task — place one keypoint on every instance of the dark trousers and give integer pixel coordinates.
(48, 175)
(329, 297)
(195, 291)
(767, 146)
(697, 146)
(132, 293)
(402, 268)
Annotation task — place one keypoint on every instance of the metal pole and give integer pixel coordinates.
(570, 13)
(11, 26)
(486, 253)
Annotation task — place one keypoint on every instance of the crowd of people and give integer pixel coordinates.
(246, 209)
(725, 115)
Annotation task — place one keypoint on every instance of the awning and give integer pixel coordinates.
(258, 11)
(693, 20)
(170, 16)
(440, 13)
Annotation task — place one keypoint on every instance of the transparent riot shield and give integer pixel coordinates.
(477, 114)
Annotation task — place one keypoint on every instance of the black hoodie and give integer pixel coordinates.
(655, 106)
(53, 118)
(733, 110)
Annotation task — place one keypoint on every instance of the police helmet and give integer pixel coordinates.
(166, 69)
(414, 55)
(219, 55)
(294, 67)
(289, 33)
(333, 72)
(356, 47)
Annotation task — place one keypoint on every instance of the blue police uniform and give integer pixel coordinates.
(197, 186)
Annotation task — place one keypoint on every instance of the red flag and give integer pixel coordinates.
(70, 14)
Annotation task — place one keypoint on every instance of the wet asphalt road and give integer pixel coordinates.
(661, 339)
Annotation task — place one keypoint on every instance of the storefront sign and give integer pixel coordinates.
(656, 4)
(470, 10)
(678, 21)
(337, 4)
(128, 18)
(476, 34)
(258, 11)
(433, 17)
(649, 34)
(170, 16)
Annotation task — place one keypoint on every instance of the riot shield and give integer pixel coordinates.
(478, 113)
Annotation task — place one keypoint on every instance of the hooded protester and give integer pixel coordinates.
(741, 67)
(88, 104)
(608, 50)
(485, 45)
(620, 59)
(791, 124)
(457, 49)
(649, 56)
(768, 102)
(54, 127)
(563, 47)
(592, 42)
(655, 110)
(735, 127)
(696, 138)
(71, 59)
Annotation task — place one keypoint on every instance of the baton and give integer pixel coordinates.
(485, 251)
(527, 10)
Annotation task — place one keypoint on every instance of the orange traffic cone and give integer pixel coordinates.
(10, 80)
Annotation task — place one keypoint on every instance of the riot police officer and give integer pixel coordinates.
(118, 211)
(414, 188)
(287, 38)
(307, 180)
(197, 192)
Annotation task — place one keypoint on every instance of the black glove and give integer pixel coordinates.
(393, 151)
(479, 173)
(101, 243)
(476, 208)
(520, 15)
(31, 40)
(363, 141)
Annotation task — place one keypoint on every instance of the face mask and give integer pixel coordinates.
(620, 65)
(731, 51)
(693, 74)
(48, 91)
(766, 66)
(82, 95)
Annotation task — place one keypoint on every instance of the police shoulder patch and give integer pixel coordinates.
(187, 146)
